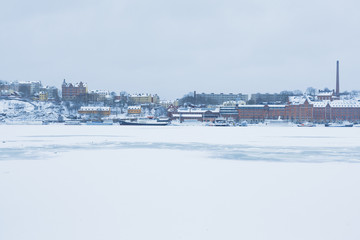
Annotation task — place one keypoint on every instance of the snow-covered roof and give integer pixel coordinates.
(337, 104)
(276, 106)
(297, 100)
(141, 95)
(106, 92)
(344, 103)
(134, 107)
(233, 103)
(198, 110)
(251, 106)
(80, 84)
(325, 94)
(320, 104)
(94, 109)
(30, 82)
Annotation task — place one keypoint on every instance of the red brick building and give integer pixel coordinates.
(312, 111)
(195, 114)
(70, 91)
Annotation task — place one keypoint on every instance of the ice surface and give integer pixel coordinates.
(116, 182)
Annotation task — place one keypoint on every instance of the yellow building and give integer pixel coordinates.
(134, 110)
(95, 111)
(144, 98)
(43, 96)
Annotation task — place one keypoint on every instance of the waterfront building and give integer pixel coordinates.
(95, 111)
(251, 113)
(229, 112)
(134, 110)
(195, 114)
(302, 111)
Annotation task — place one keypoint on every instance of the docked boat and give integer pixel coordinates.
(104, 122)
(277, 122)
(72, 122)
(306, 124)
(221, 122)
(143, 122)
(343, 124)
(163, 119)
(243, 124)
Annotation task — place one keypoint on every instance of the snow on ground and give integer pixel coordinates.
(117, 182)
(20, 111)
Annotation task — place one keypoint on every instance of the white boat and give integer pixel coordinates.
(277, 122)
(221, 122)
(306, 124)
(143, 122)
(72, 122)
(342, 124)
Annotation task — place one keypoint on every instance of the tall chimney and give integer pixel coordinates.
(337, 79)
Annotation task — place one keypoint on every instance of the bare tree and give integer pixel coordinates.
(310, 91)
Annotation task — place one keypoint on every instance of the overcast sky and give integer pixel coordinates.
(174, 47)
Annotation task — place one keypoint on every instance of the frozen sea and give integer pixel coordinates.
(118, 182)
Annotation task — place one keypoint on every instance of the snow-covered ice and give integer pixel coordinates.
(117, 182)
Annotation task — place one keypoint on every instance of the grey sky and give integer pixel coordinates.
(174, 47)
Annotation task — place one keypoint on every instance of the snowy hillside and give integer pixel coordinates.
(19, 110)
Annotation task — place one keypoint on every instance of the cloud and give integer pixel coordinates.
(172, 47)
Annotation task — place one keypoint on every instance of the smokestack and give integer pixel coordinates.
(337, 79)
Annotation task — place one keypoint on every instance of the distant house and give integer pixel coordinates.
(144, 98)
(43, 96)
(101, 111)
(100, 95)
(28, 89)
(52, 93)
(134, 110)
(325, 95)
